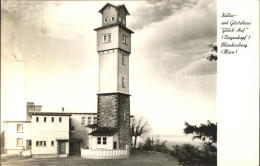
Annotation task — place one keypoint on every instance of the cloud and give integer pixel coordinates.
(150, 12)
(179, 39)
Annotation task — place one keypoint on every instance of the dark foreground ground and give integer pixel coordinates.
(138, 158)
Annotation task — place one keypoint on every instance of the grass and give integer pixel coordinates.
(137, 158)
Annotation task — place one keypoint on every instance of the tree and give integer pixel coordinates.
(139, 128)
(213, 56)
(205, 155)
(203, 132)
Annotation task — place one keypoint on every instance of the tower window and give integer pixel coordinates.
(37, 119)
(107, 38)
(113, 18)
(60, 119)
(123, 59)
(123, 82)
(105, 20)
(119, 19)
(52, 119)
(124, 39)
(123, 21)
(45, 119)
(124, 116)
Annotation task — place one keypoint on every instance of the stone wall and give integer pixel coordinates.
(124, 120)
(114, 112)
(107, 110)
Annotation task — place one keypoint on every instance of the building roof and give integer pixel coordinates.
(115, 24)
(15, 121)
(61, 113)
(103, 132)
(51, 113)
(117, 7)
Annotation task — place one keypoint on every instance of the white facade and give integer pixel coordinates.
(17, 136)
(49, 133)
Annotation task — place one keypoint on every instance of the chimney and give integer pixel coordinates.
(62, 109)
(29, 108)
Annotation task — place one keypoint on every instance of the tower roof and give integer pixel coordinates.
(117, 7)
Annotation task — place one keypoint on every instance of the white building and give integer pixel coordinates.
(48, 134)
(17, 137)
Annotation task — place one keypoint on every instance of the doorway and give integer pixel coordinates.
(115, 145)
(61, 147)
(28, 144)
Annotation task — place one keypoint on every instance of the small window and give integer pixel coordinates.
(119, 19)
(37, 119)
(37, 143)
(72, 128)
(44, 143)
(109, 38)
(104, 140)
(72, 144)
(104, 38)
(19, 128)
(52, 143)
(95, 120)
(105, 20)
(89, 120)
(19, 142)
(123, 21)
(124, 39)
(98, 140)
(45, 119)
(113, 18)
(124, 116)
(52, 119)
(123, 82)
(83, 120)
(123, 59)
(60, 119)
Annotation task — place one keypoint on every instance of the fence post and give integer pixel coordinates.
(128, 150)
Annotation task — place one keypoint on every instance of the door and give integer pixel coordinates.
(77, 147)
(28, 144)
(115, 145)
(61, 147)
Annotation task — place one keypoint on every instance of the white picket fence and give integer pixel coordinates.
(105, 153)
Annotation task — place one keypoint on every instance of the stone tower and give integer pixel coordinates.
(114, 48)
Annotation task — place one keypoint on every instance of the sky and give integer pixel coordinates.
(49, 57)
